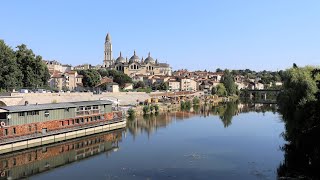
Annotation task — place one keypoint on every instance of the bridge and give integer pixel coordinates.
(259, 93)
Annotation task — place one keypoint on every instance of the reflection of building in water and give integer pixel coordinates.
(225, 111)
(33, 161)
(149, 123)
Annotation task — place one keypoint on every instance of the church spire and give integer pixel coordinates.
(120, 54)
(108, 37)
(149, 54)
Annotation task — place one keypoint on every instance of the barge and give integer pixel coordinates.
(27, 126)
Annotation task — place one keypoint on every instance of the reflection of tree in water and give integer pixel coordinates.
(230, 110)
(226, 111)
(300, 110)
(302, 150)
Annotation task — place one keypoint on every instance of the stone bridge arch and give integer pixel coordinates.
(9, 101)
(2, 103)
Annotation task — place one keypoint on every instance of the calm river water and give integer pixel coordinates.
(229, 142)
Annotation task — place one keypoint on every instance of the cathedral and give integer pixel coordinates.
(134, 65)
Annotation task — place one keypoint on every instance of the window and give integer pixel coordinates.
(77, 121)
(21, 113)
(14, 161)
(6, 132)
(14, 130)
(32, 113)
(46, 113)
(30, 128)
(29, 157)
(5, 163)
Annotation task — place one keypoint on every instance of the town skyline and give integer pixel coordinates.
(196, 36)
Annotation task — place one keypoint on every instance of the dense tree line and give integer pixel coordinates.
(299, 103)
(21, 68)
(92, 77)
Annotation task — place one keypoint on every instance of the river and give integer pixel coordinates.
(228, 142)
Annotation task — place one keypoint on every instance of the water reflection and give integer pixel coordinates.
(37, 160)
(226, 111)
(302, 150)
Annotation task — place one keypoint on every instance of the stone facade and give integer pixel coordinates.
(70, 80)
(134, 65)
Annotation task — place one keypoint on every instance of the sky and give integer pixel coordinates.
(193, 34)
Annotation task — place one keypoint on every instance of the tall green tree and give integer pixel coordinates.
(10, 74)
(228, 82)
(34, 70)
(91, 77)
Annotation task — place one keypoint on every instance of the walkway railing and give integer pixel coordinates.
(60, 131)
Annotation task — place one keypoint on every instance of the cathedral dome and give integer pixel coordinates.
(149, 59)
(120, 59)
(134, 58)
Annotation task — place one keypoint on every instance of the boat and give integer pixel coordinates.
(36, 120)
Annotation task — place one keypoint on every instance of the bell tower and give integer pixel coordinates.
(107, 62)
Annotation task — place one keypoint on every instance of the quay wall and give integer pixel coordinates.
(15, 146)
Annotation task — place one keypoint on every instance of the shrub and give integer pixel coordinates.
(131, 112)
(196, 100)
(156, 108)
(145, 109)
(151, 108)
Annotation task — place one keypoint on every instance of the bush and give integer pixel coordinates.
(196, 100)
(156, 108)
(188, 104)
(131, 112)
(151, 108)
(145, 109)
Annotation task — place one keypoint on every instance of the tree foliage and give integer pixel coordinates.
(35, 72)
(219, 90)
(91, 77)
(299, 104)
(10, 74)
(117, 76)
(228, 82)
(139, 84)
(21, 68)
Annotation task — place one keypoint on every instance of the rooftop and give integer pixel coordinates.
(33, 107)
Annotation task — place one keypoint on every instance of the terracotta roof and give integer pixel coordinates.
(104, 81)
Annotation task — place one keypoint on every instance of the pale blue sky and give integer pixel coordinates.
(200, 34)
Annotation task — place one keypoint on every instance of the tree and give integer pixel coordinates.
(162, 86)
(122, 79)
(299, 87)
(228, 82)
(139, 84)
(34, 70)
(10, 74)
(221, 90)
(103, 72)
(91, 77)
(219, 70)
(196, 101)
